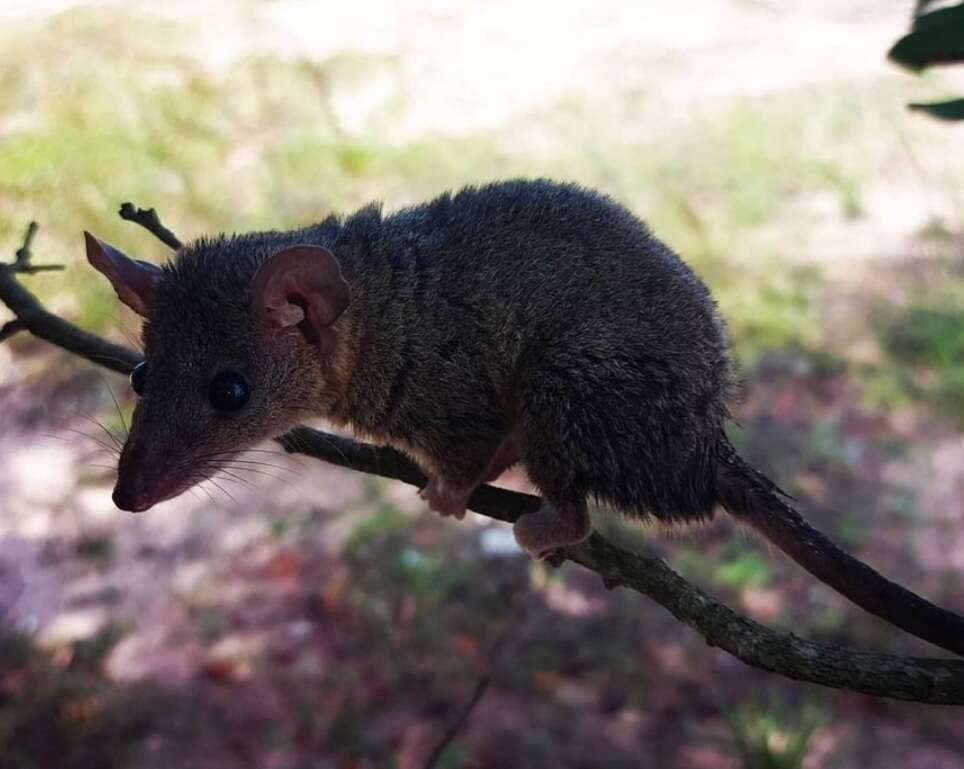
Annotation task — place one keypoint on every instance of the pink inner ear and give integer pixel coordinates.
(280, 311)
(272, 293)
(134, 281)
(297, 284)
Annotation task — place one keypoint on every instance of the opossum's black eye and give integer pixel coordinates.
(229, 391)
(139, 377)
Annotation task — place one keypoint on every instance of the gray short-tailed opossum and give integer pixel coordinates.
(525, 321)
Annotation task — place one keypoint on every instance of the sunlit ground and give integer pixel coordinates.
(311, 617)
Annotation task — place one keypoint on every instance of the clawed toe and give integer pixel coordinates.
(552, 556)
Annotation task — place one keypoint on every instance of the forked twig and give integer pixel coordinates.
(150, 221)
(22, 263)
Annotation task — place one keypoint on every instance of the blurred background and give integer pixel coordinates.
(306, 617)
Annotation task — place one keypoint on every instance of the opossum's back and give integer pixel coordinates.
(567, 268)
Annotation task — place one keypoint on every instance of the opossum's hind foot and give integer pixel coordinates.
(445, 498)
(552, 527)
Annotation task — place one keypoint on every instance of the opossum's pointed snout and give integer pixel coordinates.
(140, 482)
(131, 500)
(144, 476)
(140, 489)
(134, 490)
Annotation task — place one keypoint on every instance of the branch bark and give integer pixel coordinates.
(916, 679)
(150, 221)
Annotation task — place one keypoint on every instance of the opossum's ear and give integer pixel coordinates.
(301, 287)
(133, 280)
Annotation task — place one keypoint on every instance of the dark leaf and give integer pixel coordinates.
(937, 18)
(937, 38)
(952, 109)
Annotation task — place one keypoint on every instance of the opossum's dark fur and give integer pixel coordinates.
(531, 309)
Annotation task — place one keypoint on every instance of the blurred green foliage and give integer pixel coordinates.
(826, 448)
(924, 345)
(400, 586)
(736, 565)
(773, 735)
(100, 111)
(743, 566)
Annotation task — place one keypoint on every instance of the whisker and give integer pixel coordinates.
(109, 450)
(74, 411)
(245, 451)
(221, 488)
(120, 414)
(133, 339)
(225, 458)
(265, 473)
(280, 454)
(112, 449)
(227, 475)
(253, 463)
(97, 423)
(199, 485)
(289, 459)
(214, 466)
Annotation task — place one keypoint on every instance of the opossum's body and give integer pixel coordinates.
(528, 322)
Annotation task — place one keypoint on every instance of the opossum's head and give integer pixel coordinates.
(240, 344)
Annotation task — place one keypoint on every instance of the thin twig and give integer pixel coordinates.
(460, 720)
(150, 221)
(511, 630)
(916, 679)
(32, 269)
(22, 258)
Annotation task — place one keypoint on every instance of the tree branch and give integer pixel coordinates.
(31, 316)
(514, 622)
(10, 328)
(150, 221)
(917, 679)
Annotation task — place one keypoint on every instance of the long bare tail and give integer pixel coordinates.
(752, 498)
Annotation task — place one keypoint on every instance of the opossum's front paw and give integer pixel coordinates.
(549, 528)
(445, 499)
